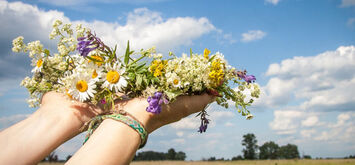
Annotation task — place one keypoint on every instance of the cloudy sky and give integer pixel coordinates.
(302, 53)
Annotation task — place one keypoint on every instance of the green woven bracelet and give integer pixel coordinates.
(96, 121)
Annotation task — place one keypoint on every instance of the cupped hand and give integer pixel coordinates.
(59, 104)
(54, 103)
(183, 106)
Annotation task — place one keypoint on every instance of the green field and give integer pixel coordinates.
(244, 162)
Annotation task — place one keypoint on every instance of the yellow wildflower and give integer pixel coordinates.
(216, 75)
(206, 52)
(158, 67)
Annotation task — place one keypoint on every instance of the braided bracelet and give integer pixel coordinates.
(121, 117)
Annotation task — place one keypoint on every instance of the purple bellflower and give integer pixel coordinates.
(85, 47)
(90, 43)
(248, 78)
(155, 102)
(204, 122)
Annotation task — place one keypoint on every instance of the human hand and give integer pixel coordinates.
(124, 141)
(75, 112)
(172, 112)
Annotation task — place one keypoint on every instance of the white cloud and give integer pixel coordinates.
(341, 131)
(285, 121)
(304, 89)
(190, 122)
(274, 2)
(347, 3)
(68, 3)
(253, 35)
(323, 82)
(144, 28)
(180, 133)
(308, 133)
(228, 124)
(310, 121)
(193, 122)
(178, 141)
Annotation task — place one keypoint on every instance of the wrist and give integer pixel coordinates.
(70, 120)
(137, 108)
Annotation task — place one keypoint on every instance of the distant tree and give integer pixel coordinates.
(150, 155)
(289, 151)
(307, 157)
(239, 157)
(171, 154)
(180, 156)
(249, 142)
(269, 150)
(211, 159)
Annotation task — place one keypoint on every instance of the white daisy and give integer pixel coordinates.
(95, 71)
(114, 78)
(173, 79)
(37, 62)
(82, 87)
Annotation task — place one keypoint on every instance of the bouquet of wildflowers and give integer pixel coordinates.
(87, 70)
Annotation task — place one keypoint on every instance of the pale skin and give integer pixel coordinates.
(60, 119)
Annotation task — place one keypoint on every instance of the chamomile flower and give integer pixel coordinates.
(114, 78)
(173, 79)
(82, 87)
(37, 62)
(95, 71)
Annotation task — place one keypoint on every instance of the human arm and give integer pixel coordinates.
(116, 143)
(56, 121)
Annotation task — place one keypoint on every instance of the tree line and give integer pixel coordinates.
(251, 151)
(269, 150)
(152, 155)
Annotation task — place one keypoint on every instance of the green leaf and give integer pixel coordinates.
(146, 81)
(140, 66)
(46, 51)
(139, 80)
(126, 58)
(211, 59)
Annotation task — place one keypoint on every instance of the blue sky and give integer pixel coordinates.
(302, 53)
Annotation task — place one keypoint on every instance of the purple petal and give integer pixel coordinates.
(158, 94)
(166, 101)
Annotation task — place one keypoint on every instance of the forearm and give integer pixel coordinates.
(35, 137)
(112, 143)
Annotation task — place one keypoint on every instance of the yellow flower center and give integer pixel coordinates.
(39, 63)
(82, 85)
(176, 81)
(94, 74)
(98, 60)
(113, 77)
